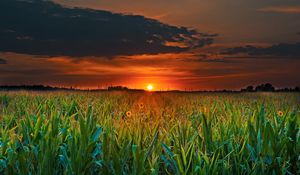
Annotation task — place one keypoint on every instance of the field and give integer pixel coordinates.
(149, 133)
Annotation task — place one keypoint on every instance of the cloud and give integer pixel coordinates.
(281, 9)
(278, 50)
(209, 58)
(163, 70)
(3, 61)
(44, 28)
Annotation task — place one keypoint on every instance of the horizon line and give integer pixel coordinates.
(37, 87)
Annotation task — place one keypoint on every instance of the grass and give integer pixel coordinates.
(149, 133)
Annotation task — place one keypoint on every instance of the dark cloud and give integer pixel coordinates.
(209, 59)
(278, 50)
(40, 27)
(3, 61)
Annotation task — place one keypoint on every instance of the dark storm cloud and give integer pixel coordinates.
(278, 50)
(3, 61)
(39, 27)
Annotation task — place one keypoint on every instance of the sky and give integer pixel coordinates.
(171, 44)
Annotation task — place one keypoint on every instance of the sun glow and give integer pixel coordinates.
(149, 87)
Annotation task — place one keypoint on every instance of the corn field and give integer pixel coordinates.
(149, 133)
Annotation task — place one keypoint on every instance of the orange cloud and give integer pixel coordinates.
(176, 44)
(163, 71)
(281, 9)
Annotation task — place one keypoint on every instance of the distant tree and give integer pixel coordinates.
(269, 87)
(250, 89)
(117, 88)
(265, 88)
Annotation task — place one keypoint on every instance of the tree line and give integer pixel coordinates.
(267, 87)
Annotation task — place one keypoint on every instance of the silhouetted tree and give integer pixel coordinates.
(117, 88)
(265, 88)
(250, 89)
(32, 88)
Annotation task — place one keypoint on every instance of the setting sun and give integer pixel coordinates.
(150, 87)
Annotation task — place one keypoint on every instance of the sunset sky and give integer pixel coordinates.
(171, 44)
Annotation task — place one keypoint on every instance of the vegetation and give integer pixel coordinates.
(149, 133)
(259, 88)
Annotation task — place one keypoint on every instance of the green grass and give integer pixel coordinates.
(166, 133)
